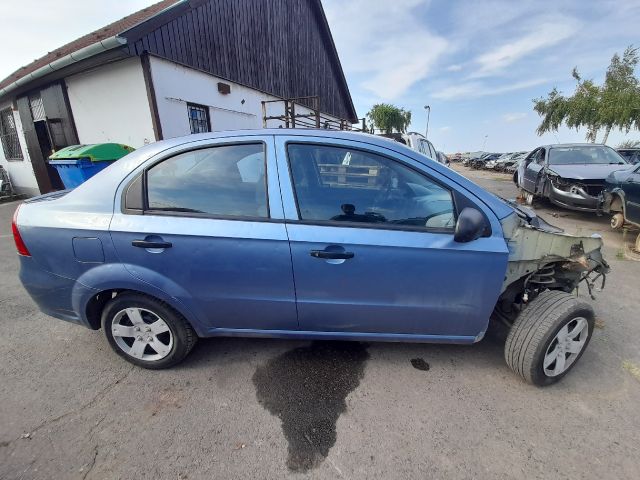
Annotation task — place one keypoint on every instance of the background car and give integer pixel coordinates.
(631, 155)
(302, 234)
(569, 175)
(621, 197)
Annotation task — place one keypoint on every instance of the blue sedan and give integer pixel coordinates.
(302, 234)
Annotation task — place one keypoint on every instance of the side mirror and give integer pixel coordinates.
(470, 225)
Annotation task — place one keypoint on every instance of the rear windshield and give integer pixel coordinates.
(597, 154)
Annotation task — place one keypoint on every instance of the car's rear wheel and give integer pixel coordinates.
(549, 337)
(146, 331)
(617, 220)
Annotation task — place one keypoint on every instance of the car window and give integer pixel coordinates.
(223, 180)
(432, 149)
(580, 154)
(339, 184)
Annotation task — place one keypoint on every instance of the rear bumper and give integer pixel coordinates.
(576, 200)
(52, 293)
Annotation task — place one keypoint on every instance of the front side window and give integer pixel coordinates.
(337, 184)
(199, 121)
(227, 180)
(9, 136)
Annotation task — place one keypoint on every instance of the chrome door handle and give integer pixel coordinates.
(149, 244)
(331, 255)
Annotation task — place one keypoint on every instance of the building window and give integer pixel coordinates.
(9, 136)
(198, 118)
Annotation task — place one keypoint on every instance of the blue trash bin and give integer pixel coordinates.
(73, 172)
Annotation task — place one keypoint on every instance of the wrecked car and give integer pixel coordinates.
(304, 234)
(621, 197)
(569, 175)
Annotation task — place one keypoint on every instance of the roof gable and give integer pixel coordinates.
(282, 47)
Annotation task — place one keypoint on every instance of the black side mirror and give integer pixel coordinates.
(470, 225)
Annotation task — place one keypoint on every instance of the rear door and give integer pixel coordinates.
(372, 244)
(205, 225)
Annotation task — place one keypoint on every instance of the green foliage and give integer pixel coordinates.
(614, 104)
(388, 118)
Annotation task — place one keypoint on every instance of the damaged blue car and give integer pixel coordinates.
(303, 234)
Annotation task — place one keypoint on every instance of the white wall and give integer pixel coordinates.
(20, 171)
(175, 85)
(109, 104)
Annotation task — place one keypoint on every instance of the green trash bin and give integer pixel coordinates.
(77, 163)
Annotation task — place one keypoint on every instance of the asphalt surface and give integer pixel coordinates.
(253, 408)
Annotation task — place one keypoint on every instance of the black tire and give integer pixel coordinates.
(184, 337)
(536, 327)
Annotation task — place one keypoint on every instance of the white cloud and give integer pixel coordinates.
(478, 89)
(513, 117)
(384, 46)
(542, 35)
(454, 68)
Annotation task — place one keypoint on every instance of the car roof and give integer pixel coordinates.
(564, 145)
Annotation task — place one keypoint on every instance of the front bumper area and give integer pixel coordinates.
(576, 199)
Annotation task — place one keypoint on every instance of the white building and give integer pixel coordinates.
(174, 68)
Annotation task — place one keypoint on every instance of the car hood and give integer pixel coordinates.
(586, 171)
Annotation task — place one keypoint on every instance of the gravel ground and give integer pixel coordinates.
(253, 408)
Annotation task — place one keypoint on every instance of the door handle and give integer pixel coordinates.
(331, 255)
(150, 244)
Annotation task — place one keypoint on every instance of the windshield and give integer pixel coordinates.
(597, 154)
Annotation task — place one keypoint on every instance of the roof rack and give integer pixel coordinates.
(304, 112)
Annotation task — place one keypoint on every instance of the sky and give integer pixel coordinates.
(477, 64)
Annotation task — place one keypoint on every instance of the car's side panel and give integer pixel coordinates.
(398, 282)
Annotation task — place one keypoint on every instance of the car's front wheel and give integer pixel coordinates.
(146, 331)
(549, 337)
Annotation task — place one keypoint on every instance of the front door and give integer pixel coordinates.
(210, 236)
(632, 197)
(373, 250)
(533, 171)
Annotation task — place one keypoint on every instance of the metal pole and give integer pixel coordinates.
(428, 109)
(484, 142)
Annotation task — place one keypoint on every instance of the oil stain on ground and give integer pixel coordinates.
(306, 388)
(420, 364)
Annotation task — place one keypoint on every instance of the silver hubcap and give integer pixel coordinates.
(142, 334)
(566, 346)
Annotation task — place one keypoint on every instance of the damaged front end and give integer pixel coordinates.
(543, 257)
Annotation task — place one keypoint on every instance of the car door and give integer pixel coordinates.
(372, 244)
(533, 170)
(205, 225)
(632, 196)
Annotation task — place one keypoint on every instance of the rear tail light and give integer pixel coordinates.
(22, 248)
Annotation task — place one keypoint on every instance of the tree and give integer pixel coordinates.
(614, 104)
(387, 118)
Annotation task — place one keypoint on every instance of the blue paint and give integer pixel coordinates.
(256, 277)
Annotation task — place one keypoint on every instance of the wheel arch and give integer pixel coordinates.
(98, 285)
(94, 305)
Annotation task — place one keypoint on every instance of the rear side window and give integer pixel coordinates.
(342, 185)
(227, 180)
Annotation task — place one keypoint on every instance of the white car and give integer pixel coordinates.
(419, 143)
